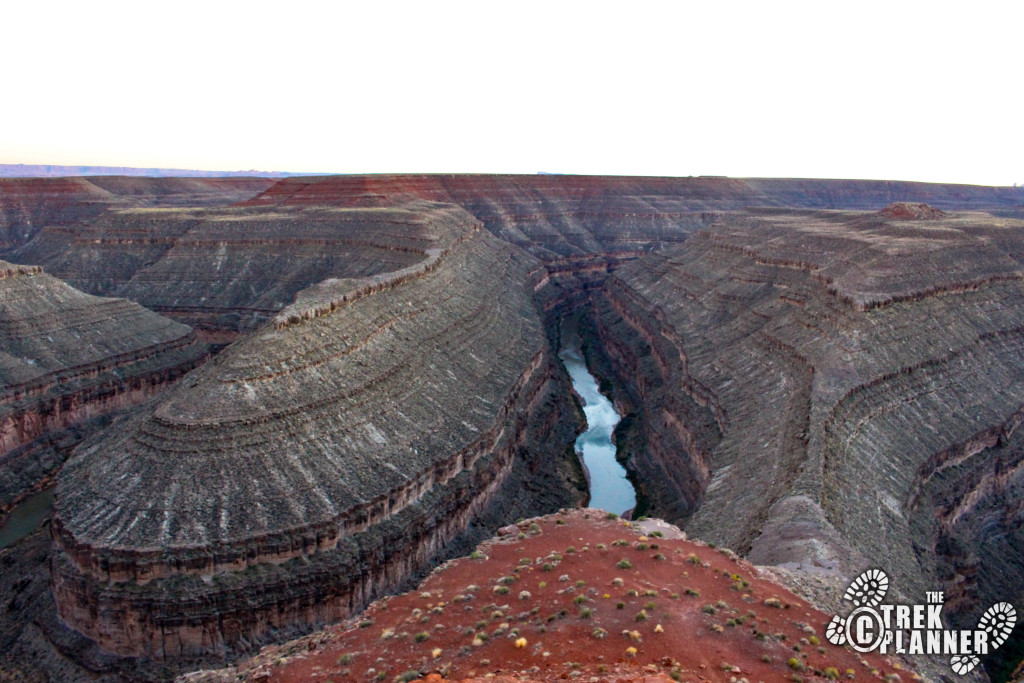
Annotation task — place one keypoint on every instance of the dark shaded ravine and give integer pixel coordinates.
(610, 489)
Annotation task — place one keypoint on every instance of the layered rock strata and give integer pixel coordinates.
(67, 358)
(866, 375)
(27, 205)
(559, 215)
(227, 270)
(320, 460)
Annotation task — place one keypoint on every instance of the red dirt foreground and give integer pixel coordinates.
(578, 595)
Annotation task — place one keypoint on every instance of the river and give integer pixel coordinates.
(25, 517)
(609, 488)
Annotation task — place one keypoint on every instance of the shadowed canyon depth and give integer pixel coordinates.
(264, 404)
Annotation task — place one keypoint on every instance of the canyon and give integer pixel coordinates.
(343, 380)
(70, 359)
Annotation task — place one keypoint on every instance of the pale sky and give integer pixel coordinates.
(910, 91)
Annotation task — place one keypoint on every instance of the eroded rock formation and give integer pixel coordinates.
(27, 205)
(66, 358)
(322, 459)
(815, 383)
(227, 270)
(866, 376)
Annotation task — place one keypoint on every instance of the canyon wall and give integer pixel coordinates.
(226, 270)
(560, 215)
(808, 380)
(27, 205)
(68, 358)
(865, 373)
(322, 459)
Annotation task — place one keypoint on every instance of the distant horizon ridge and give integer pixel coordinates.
(76, 170)
(65, 170)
